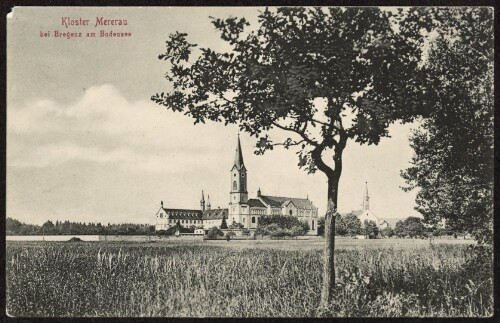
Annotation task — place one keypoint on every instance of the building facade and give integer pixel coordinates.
(241, 209)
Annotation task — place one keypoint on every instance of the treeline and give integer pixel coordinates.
(15, 227)
(412, 227)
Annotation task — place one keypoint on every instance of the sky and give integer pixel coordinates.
(85, 142)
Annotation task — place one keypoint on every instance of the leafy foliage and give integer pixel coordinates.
(387, 232)
(283, 221)
(370, 229)
(236, 225)
(453, 161)
(274, 75)
(214, 232)
(411, 226)
(352, 224)
(15, 227)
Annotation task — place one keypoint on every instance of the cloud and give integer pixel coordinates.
(105, 128)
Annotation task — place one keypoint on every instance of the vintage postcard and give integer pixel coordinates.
(249, 162)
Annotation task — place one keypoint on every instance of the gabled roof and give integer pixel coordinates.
(183, 214)
(279, 201)
(255, 203)
(215, 214)
(287, 202)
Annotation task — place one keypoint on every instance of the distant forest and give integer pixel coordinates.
(15, 227)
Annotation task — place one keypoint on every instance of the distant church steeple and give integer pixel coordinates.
(366, 198)
(238, 191)
(208, 202)
(202, 201)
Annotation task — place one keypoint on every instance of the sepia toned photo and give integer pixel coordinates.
(252, 162)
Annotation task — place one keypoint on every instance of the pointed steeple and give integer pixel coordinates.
(208, 202)
(259, 192)
(238, 158)
(366, 198)
(202, 201)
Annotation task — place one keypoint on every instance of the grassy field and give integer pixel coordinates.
(393, 277)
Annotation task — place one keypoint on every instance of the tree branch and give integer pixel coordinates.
(307, 139)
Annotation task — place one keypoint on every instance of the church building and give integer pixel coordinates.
(241, 209)
(366, 213)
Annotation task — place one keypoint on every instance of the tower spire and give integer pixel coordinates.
(366, 198)
(238, 158)
(202, 201)
(208, 202)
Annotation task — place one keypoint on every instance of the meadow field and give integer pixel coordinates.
(260, 278)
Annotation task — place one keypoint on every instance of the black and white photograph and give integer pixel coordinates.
(249, 162)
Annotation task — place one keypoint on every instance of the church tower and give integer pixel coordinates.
(239, 192)
(366, 199)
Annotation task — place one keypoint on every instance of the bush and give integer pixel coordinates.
(297, 231)
(280, 233)
(280, 225)
(283, 221)
(214, 232)
(236, 225)
(229, 235)
(245, 232)
(387, 232)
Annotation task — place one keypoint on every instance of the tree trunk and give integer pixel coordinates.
(329, 249)
(333, 176)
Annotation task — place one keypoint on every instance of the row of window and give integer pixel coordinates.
(185, 221)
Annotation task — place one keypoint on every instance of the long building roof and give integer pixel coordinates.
(215, 214)
(279, 201)
(190, 214)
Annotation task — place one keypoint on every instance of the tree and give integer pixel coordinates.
(321, 76)
(411, 226)
(223, 225)
(453, 149)
(352, 224)
(414, 226)
(400, 230)
(387, 232)
(283, 221)
(340, 226)
(370, 229)
(321, 226)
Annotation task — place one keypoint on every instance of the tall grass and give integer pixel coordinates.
(132, 279)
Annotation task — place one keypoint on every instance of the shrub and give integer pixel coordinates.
(279, 225)
(236, 225)
(297, 231)
(229, 235)
(280, 233)
(214, 232)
